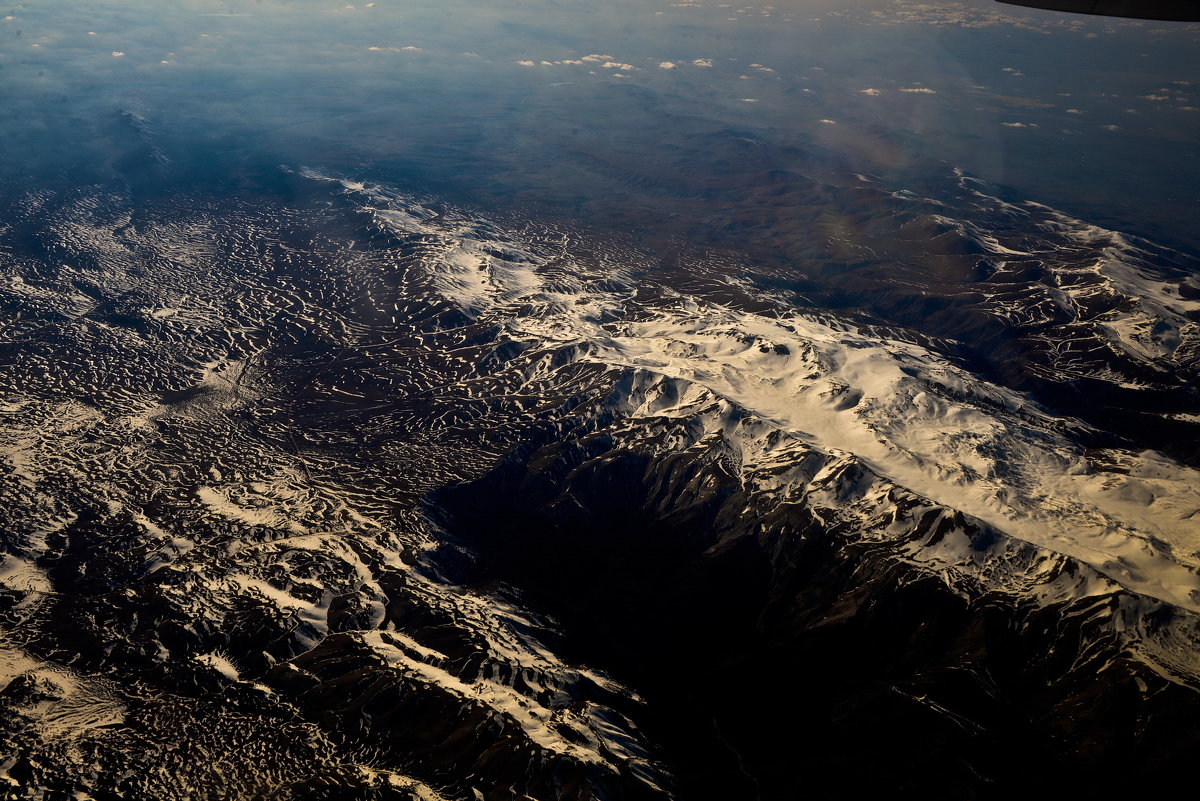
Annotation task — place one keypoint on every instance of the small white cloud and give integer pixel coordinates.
(666, 65)
(1019, 124)
(1074, 111)
(1156, 98)
(598, 57)
(702, 62)
(412, 48)
(872, 92)
(570, 61)
(118, 53)
(617, 65)
(920, 91)
(828, 122)
(527, 63)
(749, 100)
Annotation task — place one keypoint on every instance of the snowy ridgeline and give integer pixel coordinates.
(901, 409)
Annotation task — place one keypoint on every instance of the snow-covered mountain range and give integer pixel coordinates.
(354, 493)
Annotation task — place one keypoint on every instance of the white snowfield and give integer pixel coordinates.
(901, 409)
